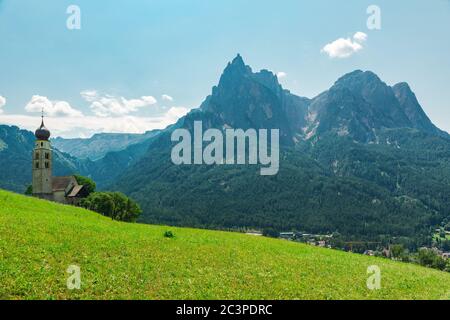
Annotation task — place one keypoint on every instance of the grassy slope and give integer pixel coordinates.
(39, 240)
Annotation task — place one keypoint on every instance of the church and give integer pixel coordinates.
(64, 190)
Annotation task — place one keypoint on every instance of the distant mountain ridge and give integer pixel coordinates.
(16, 147)
(15, 156)
(100, 144)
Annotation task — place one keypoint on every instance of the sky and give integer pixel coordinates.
(133, 66)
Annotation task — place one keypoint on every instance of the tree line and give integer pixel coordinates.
(115, 205)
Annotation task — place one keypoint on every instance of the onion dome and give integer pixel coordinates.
(42, 133)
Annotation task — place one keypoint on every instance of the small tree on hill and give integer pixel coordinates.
(115, 205)
(429, 258)
(100, 202)
(29, 191)
(397, 251)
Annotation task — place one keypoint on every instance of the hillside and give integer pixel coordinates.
(39, 240)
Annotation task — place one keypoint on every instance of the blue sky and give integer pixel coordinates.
(111, 74)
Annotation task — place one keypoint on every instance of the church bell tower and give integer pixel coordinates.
(42, 163)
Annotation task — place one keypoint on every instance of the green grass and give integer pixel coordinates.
(39, 240)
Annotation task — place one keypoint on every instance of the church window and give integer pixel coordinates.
(47, 165)
(47, 156)
(37, 165)
(37, 156)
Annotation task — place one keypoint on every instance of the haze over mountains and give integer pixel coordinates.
(361, 158)
(100, 144)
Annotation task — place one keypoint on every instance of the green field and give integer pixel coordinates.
(39, 240)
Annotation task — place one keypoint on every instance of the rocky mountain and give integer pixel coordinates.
(244, 99)
(99, 145)
(414, 112)
(359, 105)
(360, 158)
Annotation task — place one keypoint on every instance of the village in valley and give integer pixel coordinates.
(435, 256)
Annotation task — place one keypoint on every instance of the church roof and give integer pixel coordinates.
(75, 191)
(61, 183)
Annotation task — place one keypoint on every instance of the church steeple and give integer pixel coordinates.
(42, 163)
(42, 133)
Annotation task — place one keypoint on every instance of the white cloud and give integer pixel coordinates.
(86, 126)
(166, 97)
(360, 37)
(111, 114)
(281, 75)
(344, 48)
(2, 103)
(108, 105)
(175, 113)
(51, 108)
(89, 95)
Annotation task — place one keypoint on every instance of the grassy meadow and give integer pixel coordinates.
(39, 240)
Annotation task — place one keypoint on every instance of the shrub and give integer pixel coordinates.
(429, 258)
(29, 191)
(168, 234)
(426, 257)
